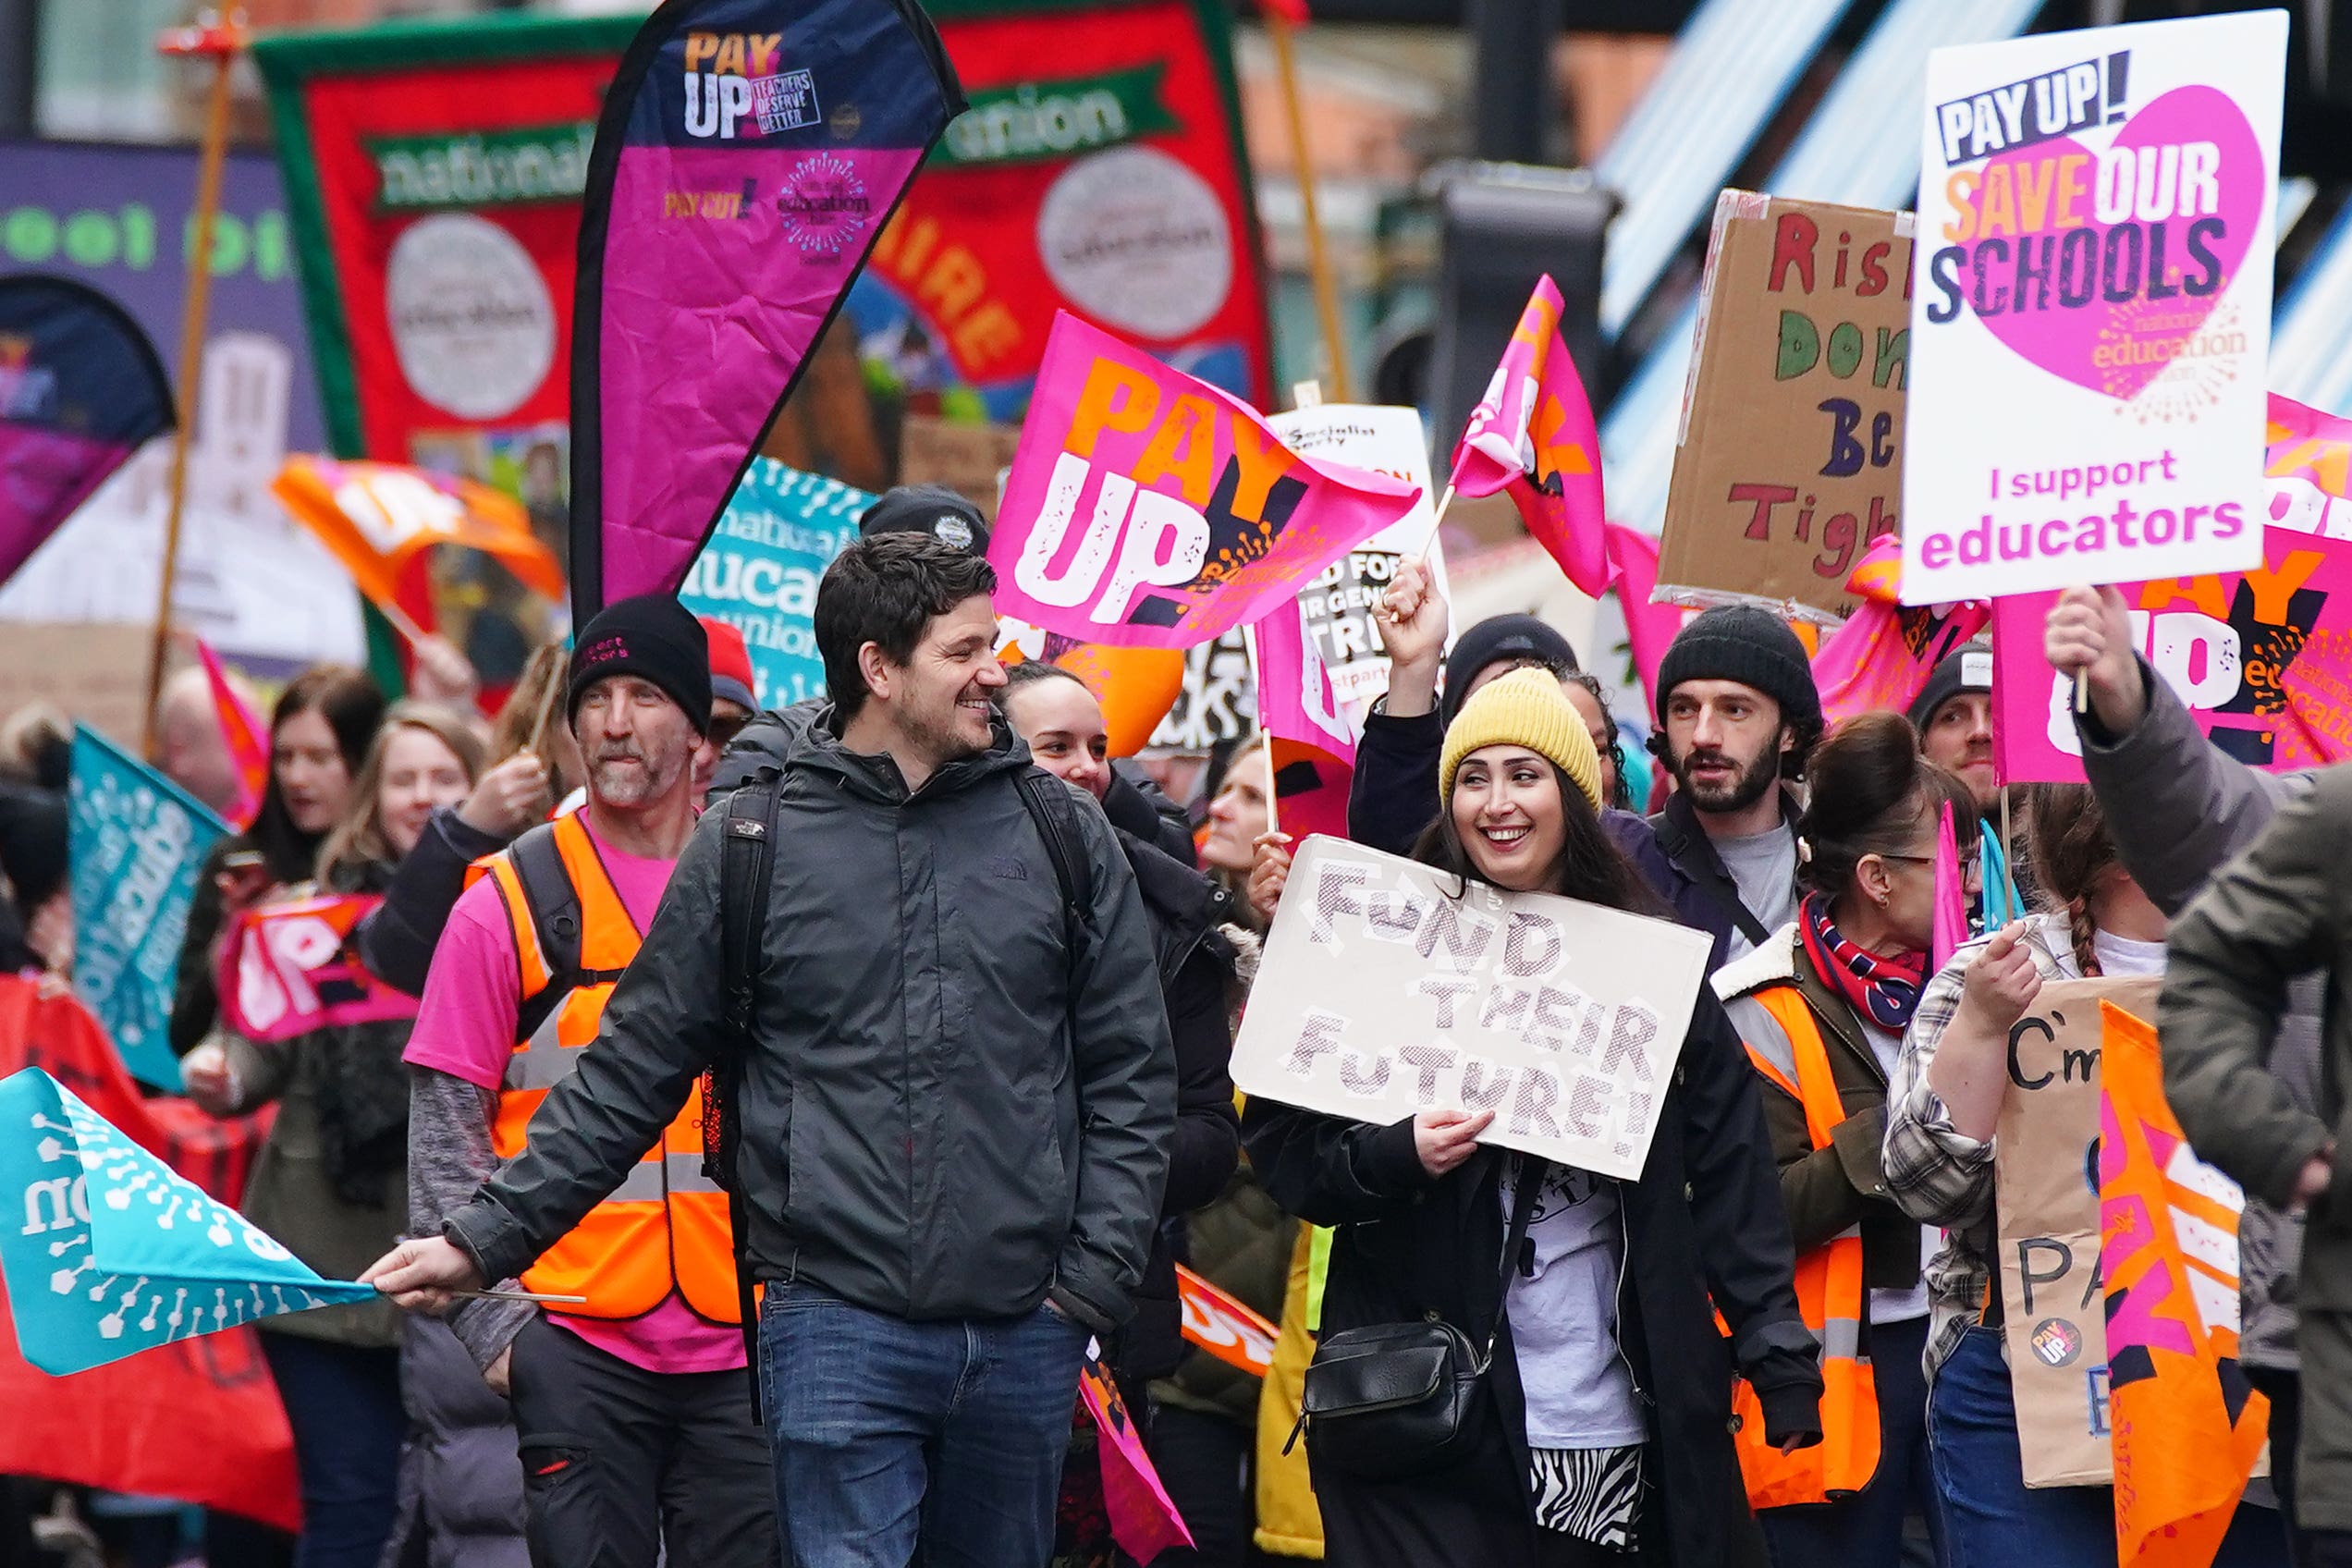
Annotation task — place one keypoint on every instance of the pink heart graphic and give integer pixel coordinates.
(2141, 335)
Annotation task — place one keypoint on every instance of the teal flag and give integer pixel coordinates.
(118, 1251)
(137, 841)
(759, 572)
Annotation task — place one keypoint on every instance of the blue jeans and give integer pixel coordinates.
(1867, 1526)
(1992, 1520)
(886, 1433)
(343, 1403)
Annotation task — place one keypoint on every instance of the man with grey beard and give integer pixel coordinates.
(633, 1414)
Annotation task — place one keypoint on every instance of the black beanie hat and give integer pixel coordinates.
(653, 637)
(1493, 640)
(1968, 668)
(927, 508)
(1754, 647)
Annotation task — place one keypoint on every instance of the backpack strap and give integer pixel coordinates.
(746, 866)
(553, 905)
(1055, 812)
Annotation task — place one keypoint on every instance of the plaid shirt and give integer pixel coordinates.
(1934, 1175)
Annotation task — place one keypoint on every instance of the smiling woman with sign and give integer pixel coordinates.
(1518, 1365)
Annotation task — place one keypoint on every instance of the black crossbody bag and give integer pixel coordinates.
(1392, 1400)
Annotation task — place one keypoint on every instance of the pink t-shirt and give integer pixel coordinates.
(465, 1027)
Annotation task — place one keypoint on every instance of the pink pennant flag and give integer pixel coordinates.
(1143, 1520)
(1649, 628)
(1313, 747)
(1883, 656)
(1150, 510)
(244, 736)
(1950, 924)
(1533, 434)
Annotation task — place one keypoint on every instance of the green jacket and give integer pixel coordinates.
(2282, 908)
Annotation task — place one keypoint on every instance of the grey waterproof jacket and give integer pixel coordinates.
(946, 1112)
(2179, 809)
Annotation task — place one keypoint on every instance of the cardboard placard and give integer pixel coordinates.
(2046, 1182)
(2092, 313)
(963, 456)
(96, 672)
(1388, 989)
(1790, 457)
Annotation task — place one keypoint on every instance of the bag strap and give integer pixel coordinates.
(1051, 807)
(1705, 870)
(1523, 1194)
(747, 858)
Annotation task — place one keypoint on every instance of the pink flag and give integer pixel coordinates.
(1143, 1520)
(244, 736)
(1150, 510)
(1883, 656)
(1313, 747)
(1533, 434)
(286, 970)
(1649, 628)
(1950, 927)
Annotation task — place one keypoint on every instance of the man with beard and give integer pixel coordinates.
(635, 1418)
(1737, 713)
(1953, 716)
(948, 1071)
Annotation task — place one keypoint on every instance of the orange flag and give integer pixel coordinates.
(378, 518)
(2188, 1426)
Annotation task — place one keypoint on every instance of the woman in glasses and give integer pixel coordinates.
(1821, 1007)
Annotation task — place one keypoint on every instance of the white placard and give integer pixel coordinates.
(2090, 311)
(1388, 988)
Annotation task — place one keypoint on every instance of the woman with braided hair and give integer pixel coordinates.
(1938, 1157)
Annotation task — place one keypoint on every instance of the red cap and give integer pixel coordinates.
(730, 662)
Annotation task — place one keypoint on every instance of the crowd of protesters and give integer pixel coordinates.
(834, 1076)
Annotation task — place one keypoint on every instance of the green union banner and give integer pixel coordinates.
(545, 162)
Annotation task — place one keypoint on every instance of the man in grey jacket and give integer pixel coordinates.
(2179, 809)
(955, 1107)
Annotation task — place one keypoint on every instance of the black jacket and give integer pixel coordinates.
(946, 1112)
(1679, 860)
(1704, 1218)
(1196, 965)
(397, 940)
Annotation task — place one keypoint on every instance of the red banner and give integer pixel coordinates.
(198, 1420)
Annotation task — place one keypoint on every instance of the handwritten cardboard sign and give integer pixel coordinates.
(1790, 457)
(2046, 1185)
(2091, 313)
(1388, 988)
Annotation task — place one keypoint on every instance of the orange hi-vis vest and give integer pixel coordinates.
(1830, 1294)
(665, 1226)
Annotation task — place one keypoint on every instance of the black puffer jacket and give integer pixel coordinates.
(1195, 966)
(946, 1114)
(1705, 1218)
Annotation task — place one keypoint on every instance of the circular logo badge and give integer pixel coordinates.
(472, 321)
(824, 205)
(1137, 239)
(2055, 1341)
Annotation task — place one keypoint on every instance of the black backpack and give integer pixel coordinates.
(745, 876)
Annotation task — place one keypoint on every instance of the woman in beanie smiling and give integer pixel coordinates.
(1605, 1440)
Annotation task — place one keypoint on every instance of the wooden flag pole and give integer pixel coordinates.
(219, 42)
(1318, 259)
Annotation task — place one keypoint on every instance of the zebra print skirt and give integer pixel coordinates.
(1593, 1494)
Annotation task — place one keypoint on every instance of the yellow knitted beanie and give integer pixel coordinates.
(1522, 708)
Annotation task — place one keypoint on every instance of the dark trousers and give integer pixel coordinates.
(2284, 1390)
(1867, 1526)
(1203, 1461)
(891, 1435)
(343, 1403)
(622, 1467)
(1992, 1520)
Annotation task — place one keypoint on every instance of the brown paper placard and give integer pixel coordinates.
(965, 457)
(1790, 457)
(2046, 1182)
(96, 672)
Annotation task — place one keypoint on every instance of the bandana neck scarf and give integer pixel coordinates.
(1884, 990)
